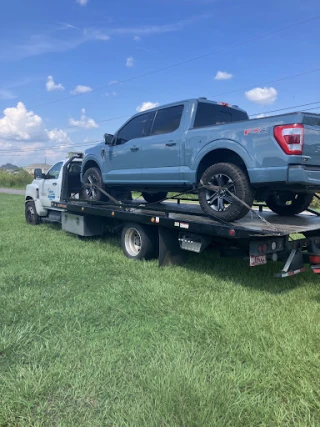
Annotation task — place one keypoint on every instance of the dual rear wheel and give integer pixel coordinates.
(139, 242)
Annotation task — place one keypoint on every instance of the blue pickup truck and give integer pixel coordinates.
(214, 149)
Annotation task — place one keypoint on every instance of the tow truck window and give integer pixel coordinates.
(53, 173)
(214, 114)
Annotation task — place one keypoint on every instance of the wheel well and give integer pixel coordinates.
(217, 156)
(90, 164)
(28, 198)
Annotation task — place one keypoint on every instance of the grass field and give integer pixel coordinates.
(90, 338)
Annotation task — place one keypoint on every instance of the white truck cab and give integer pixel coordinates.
(60, 182)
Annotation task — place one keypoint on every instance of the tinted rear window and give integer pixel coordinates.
(167, 120)
(214, 114)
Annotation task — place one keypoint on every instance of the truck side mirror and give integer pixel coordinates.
(37, 173)
(108, 138)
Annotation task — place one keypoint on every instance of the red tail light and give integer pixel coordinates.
(290, 138)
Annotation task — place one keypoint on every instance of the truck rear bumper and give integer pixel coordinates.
(306, 175)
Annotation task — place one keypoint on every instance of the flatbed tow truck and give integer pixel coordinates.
(168, 230)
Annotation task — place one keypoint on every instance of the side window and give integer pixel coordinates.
(134, 129)
(53, 173)
(167, 120)
(214, 114)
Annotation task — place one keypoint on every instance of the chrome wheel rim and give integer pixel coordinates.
(220, 200)
(133, 241)
(91, 191)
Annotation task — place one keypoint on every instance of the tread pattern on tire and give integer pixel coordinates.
(243, 191)
(35, 219)
(154, 197)
(97, 174)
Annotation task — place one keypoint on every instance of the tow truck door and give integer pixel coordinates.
(51, 186)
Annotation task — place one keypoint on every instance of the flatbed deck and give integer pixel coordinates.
(190, 216)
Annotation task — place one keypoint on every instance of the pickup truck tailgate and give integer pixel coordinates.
(311, 148)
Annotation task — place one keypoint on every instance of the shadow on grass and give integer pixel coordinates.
(235, 269)
(317, 298)
(238, 270)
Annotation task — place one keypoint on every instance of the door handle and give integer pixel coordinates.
(54, 183)
(134, 148)
(171, 144)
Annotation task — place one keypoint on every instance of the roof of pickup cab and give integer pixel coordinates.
(192, 100)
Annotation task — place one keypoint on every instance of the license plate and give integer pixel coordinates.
(258, 260)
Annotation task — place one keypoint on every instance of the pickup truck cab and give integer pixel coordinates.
(214, 149)
(60, 182)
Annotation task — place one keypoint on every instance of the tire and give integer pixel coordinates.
(121, 195)
(92, 176)
(31, 214)
(219, 204)
(154, 197)
(139, 242)
(286, 203)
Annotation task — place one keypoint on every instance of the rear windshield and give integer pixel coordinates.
(215, 114)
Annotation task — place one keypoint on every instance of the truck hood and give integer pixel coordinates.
(95, 149)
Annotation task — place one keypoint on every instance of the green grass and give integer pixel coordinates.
(90, 338)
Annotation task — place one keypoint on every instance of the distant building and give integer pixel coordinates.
(44, 166)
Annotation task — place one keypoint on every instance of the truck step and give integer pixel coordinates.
(54, 216)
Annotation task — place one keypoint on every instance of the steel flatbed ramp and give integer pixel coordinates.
(190, 216)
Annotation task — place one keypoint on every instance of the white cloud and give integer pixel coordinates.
(223, 75)
(67, 26)
(20, 124)
(112, 82)
(31, 44)
(51, 85)
(158, 29)
(7, 94)
(147, 106)
(82, 2)
(130, 61)
(84, 122)
(22, 131)
(81, 89)
(266, 95)
(136, 38)
(94, 34)
(111, 93)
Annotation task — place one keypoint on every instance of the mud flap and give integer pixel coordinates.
(170, 252)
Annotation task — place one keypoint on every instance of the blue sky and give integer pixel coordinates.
(85, 45)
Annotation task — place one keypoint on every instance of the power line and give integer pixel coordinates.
(186, 61)
(270, 81)
(224, 93)
(288, 108)
(31, 150)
